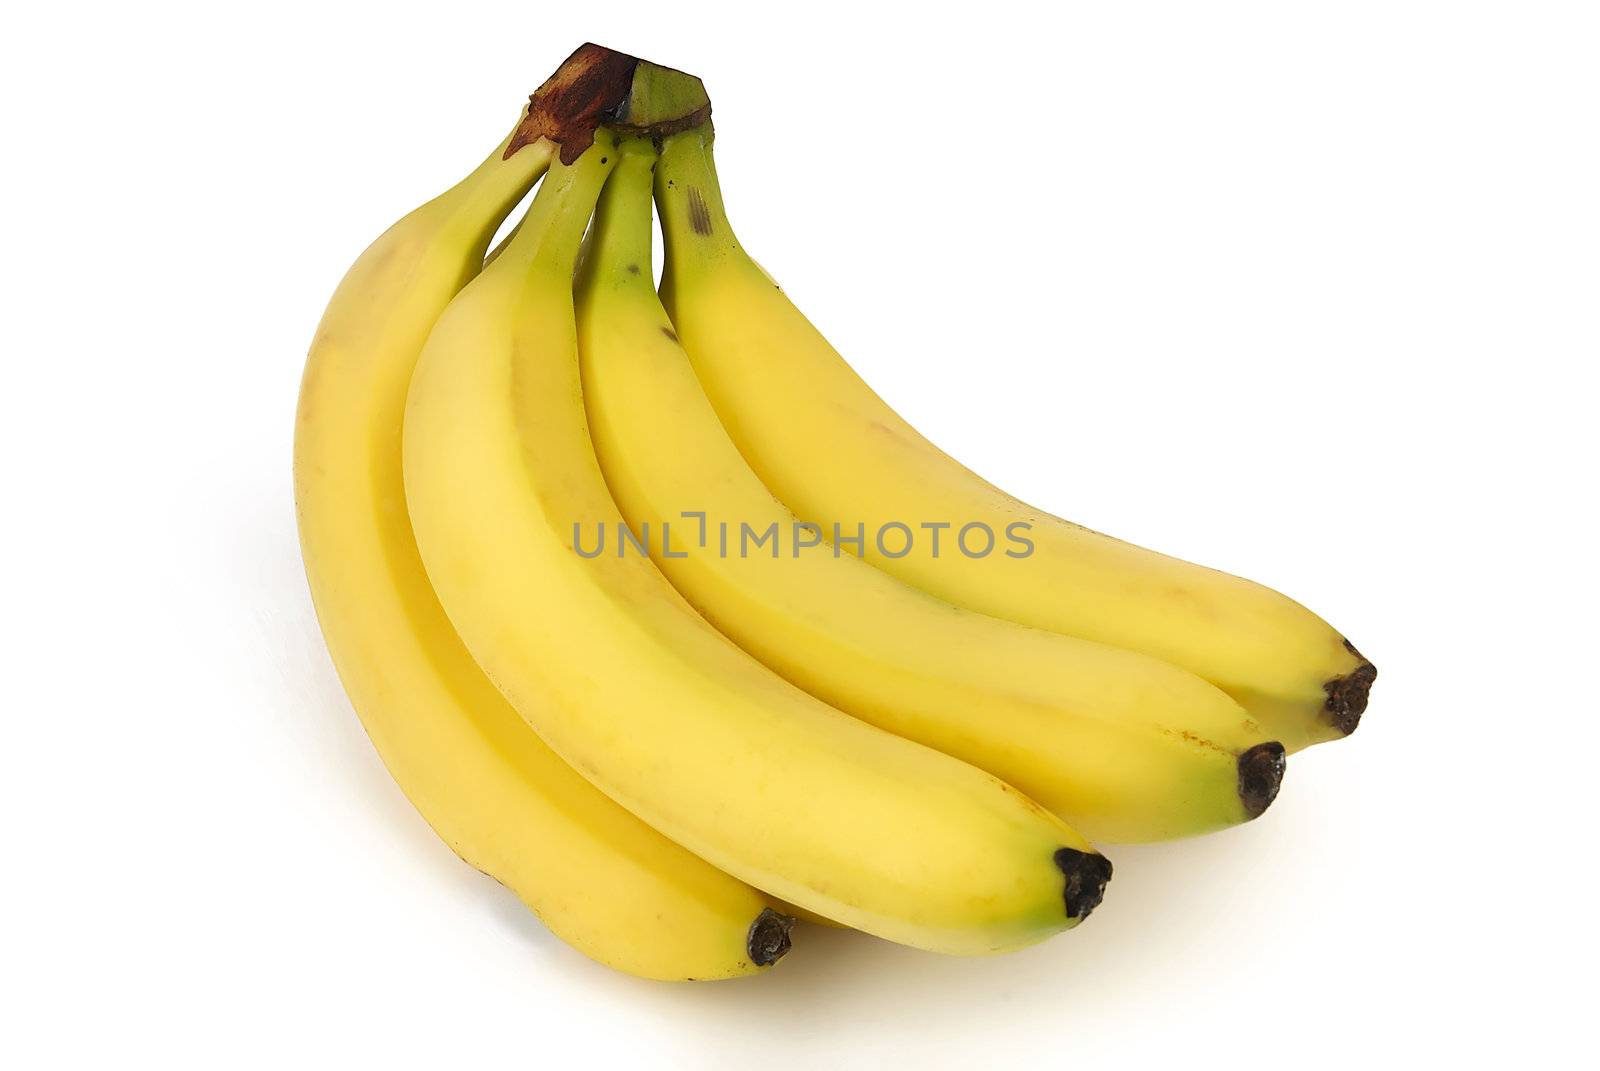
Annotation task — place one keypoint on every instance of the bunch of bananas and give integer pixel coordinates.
(819, 668)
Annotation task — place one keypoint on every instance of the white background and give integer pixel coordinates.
(1304, 291)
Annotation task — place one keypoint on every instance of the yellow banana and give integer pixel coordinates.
(654, 706)
(1121, 745)
(601, 879)
(836, 454)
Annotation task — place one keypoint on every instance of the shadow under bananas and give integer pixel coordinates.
(1169, 907)
(1154, 913)
(317, 715)
(1159, 894)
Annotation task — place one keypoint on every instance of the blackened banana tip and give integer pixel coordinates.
(768, 941)
(1260, 775)
(1347, 695)
(1087, 874)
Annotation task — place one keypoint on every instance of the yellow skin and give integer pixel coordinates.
(835, 453)
(627, 683)
(1124, 747)
(602, 880)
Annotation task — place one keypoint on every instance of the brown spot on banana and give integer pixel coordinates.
(699, 214)
(1196, 740)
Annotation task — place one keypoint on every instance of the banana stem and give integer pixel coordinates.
(552, 231)
(620, 240)
(598, 85)
(693, 219)
(486, 196)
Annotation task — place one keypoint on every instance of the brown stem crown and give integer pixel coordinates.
(598, 86)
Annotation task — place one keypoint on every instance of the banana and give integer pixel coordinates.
(602, 880)
(1122, 746)
(626, 682)
(837, 455)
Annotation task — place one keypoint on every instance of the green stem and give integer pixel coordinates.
(550, 234)
(619, 250)
(693, 219)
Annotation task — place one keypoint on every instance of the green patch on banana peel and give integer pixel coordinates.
(598, 86)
